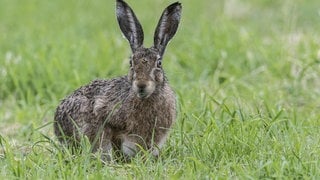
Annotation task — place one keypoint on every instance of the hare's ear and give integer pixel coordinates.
(167, 26)
(129, 25)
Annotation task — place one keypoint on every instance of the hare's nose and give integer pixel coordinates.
(141, 86)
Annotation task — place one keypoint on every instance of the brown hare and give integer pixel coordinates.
(130, 112)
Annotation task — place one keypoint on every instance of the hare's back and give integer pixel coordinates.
(85, 106)
(81, 102)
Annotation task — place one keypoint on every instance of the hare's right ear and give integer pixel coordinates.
(129, 25)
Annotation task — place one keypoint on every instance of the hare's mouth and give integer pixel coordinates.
(143, 90)
(142, 94)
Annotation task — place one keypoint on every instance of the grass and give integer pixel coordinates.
(246, 74)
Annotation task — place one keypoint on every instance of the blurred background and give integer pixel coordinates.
(248, 59)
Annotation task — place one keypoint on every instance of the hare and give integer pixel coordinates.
(128, 113)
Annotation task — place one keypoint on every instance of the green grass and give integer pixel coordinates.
(246, 73)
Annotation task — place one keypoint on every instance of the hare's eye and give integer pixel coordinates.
(159, 63)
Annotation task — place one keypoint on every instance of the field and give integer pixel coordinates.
(246, 75)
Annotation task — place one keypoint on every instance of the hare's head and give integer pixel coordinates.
(146, 71)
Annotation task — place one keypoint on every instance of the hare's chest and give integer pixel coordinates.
(145, 120)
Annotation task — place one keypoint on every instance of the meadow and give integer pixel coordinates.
(246, 74)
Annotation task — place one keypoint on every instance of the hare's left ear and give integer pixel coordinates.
(129, 25)
(167, 26)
